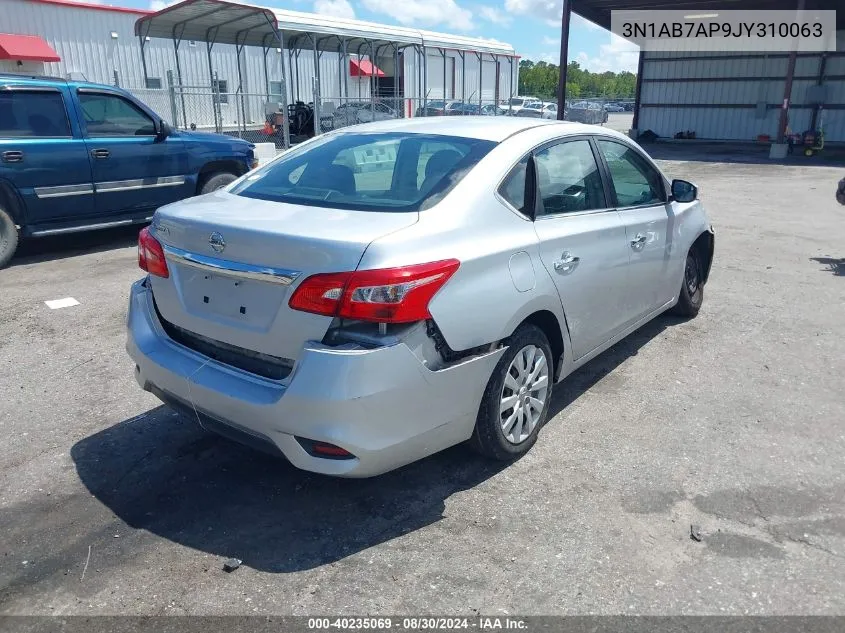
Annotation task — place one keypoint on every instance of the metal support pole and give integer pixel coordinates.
(480, 57)
(264, 51)
(820, 82)
(564, 58)
(635, 123)
(346, 70)
(143, 41)
(463, 76)
(396, 80)
(317, 86)
(171, 90)
(425, 81)
(215, 100)
(280, 38)
(443, 54)
(341, 73)
(510, 98)
(372, 79)
(242, 114)
(787, 90)
(360, 46)
(176, 42)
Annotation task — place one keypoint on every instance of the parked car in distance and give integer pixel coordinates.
(370, 112)
(587, 112)
(539, 110)
(379, 294)
(76, 156)
(515, 104)
(437, 108)
(613, 107)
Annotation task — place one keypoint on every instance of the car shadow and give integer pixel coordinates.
(162, 473)
(834, 265)
(46, 249)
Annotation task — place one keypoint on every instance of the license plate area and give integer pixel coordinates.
(234, 299)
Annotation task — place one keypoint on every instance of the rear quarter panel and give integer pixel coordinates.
(481, 303)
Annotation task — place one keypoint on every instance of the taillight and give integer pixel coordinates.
(151, 254)
(386, 295)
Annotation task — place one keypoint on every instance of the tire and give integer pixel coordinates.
(8, 237)
(216, 181)
(489, 438)
(692, 289)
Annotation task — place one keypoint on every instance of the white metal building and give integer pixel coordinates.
(104, 44)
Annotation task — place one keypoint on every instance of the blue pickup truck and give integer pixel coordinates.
(76, 156)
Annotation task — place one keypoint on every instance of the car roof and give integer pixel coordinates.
(486, 128)
(43, 80)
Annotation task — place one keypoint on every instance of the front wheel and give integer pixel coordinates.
(8, 237)
(692, 288)
(516, 401)
(216, 181)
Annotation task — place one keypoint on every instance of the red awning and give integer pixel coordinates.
(28, 48)
(364, 68)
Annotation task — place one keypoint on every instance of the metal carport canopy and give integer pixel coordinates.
(225, 22)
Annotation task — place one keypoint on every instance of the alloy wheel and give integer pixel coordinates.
(524, 394)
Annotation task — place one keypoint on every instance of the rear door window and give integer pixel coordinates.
(387, 171)
(568, 179)
(39, 114)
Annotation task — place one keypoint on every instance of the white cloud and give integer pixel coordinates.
(424, 13)
(494, 15)
(158, 5)
(550, 11)
(551, 41)
(616, 56)
(334, 8)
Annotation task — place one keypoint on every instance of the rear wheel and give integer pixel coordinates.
(216, 181)
(692, 288)
(516, 401)
(8, 237)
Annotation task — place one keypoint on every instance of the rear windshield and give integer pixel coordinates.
(368, 172)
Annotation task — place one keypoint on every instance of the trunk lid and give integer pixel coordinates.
(234, 291)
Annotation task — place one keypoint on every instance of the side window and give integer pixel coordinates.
(33, 114)
(221, 89)
(568, 179)
(512, 188)
(634, 180)
(111, 115)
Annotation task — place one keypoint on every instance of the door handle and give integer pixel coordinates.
(638, 241)
(566, 263)
(100, 153)
(12, 156)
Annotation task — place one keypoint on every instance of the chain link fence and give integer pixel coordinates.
(260, 118)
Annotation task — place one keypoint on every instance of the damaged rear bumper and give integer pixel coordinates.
(382, 405)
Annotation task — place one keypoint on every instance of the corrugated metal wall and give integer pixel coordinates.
(734, 86)
(85, 42)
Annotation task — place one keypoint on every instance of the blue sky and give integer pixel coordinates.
(532, 27)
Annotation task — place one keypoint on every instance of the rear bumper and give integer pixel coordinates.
(382, 405)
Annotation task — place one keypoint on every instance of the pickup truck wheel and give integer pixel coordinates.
(217, 180)
(8, 238)
(516, 401)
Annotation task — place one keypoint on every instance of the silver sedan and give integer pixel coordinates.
(380, 293)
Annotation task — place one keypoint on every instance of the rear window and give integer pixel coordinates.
(368, 172)
(33, 114)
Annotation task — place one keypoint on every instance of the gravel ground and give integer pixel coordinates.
(733, 422)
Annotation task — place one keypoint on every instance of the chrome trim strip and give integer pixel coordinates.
(228, 268)
(86, 227)
(139, 183)
(63, 190)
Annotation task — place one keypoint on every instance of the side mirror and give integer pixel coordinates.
(162, 130)
(683, 191)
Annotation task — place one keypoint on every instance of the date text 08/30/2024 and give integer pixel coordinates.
(484, 623)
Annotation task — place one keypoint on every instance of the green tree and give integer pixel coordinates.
(540, 79)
